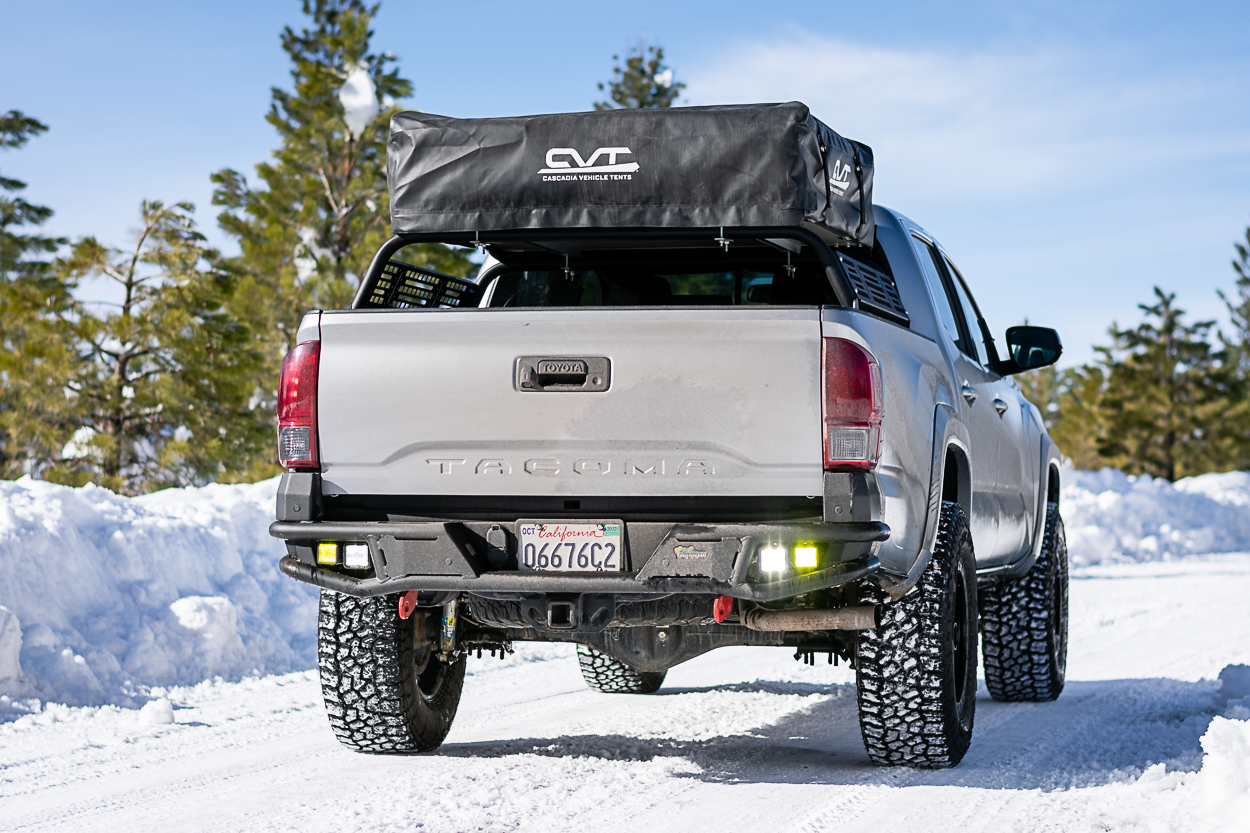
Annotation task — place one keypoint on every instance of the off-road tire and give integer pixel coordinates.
(1024, 624)
(916, 673)
(611, 676)
(384, 688)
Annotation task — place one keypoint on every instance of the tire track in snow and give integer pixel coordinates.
(532, 750)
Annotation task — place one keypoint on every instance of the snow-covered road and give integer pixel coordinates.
(737, 739)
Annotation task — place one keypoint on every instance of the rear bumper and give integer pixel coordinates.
(474, 558)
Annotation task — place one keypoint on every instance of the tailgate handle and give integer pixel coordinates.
(562, 373)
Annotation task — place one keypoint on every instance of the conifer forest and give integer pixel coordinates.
(175, 384)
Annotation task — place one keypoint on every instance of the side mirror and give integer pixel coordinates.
(1030, 348)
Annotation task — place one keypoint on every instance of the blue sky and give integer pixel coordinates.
(1069, 155)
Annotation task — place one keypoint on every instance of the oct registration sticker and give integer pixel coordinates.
(578, 548)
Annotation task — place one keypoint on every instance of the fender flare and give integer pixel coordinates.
(949, 432)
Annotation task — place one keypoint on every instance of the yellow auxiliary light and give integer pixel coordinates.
(328, 552)
(805, 556)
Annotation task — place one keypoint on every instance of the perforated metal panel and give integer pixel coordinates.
(403, 286)
(875, 290)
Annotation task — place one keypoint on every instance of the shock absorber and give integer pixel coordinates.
(447, 634)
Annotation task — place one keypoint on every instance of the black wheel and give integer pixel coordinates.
(385, 690)
(611, 676)
(916, 673)
(1024, 624)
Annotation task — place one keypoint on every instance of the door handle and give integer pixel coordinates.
(1000, 406)
(969, 392)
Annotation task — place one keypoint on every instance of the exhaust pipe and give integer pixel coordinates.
(861, 618)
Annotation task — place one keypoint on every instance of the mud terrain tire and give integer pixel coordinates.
(1024, 624)
(385, 690)
(611, 676)
(916, 673)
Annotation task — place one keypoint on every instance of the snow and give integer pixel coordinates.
(155, 672)
(114, 595)
(158, 712)
(359, 99)
(1110, 516)
(10, 651)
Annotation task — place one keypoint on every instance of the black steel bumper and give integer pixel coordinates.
(469, 557)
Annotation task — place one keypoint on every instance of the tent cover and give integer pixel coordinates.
(757, 165)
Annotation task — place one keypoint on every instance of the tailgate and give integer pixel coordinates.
(699, 402)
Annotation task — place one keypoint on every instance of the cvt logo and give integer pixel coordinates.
(841, 178)
(557, 162)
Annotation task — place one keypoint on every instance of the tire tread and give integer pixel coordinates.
(611, 676)
(1021, 661)
(368, 682)
(904, 714)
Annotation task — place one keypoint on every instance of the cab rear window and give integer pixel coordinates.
(659, 287)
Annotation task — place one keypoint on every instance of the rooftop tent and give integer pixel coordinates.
(741, 166)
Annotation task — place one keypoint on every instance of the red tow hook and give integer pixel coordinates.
(721, 608)
(407, 604)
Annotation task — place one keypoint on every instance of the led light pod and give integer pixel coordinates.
(773, 559)
(328, 552)
(356, 556)
(804, 556)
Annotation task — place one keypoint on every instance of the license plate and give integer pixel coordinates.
(578, 548)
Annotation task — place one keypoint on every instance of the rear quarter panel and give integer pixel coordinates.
(911, 372)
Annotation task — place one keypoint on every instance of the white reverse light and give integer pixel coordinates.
(356, 556)
(773, 559)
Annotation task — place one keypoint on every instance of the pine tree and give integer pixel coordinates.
(643, 81)
(1041, 387)
(307, 236)
(1070, 402)
(165, 389)
(35, 354)
(1236, 424)
(1081, 418)
(1162, 399)
(1239, 306)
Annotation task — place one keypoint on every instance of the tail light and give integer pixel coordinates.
(852, 405)
(297, 407)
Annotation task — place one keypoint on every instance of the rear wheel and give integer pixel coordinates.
(385, 689)
(916, 673)
(1024, 624)
(611, 676)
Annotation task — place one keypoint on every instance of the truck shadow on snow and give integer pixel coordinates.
(1094, 733)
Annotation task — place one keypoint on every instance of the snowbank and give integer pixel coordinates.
(1111, 517)
(1216, 797)
(104, 596)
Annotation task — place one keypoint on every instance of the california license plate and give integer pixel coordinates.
(578, 548)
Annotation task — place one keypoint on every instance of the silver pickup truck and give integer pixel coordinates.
(660, 437)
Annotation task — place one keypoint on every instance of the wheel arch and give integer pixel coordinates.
(950, 478)
(1052, 482)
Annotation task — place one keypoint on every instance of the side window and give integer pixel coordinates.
(946, 315)
(972, 316)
